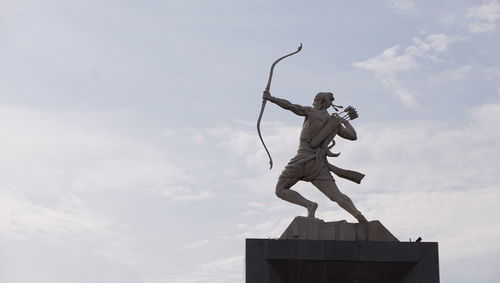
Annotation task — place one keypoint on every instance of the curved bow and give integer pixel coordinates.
(268, 87)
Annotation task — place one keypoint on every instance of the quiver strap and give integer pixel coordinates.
(329, 127)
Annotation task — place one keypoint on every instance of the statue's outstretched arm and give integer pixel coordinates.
(285, 104)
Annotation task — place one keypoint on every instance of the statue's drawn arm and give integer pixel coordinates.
(347, 131)
(285, 104)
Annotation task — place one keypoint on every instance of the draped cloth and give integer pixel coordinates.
(308, 165)
(312, 164)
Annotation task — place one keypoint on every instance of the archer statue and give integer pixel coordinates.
(316, 139)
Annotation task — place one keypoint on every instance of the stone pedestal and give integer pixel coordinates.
(324, 261)
(305, 228)
(313, 251)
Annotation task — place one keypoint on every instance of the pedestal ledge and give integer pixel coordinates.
(306, 228)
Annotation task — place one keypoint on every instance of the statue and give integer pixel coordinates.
(311, 164)
(316, 139)
(330, 251)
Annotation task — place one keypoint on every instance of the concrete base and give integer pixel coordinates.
(320, 261)
(305, 228)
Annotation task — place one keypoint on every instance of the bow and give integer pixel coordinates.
(268, 87)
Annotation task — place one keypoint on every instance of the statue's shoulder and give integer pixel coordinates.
(308, 110)
(335, 118)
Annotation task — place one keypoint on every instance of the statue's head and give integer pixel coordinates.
(323, 100)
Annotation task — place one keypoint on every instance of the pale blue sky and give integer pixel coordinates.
(129, 151)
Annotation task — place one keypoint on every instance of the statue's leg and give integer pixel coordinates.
(284, 192)
(330, 189)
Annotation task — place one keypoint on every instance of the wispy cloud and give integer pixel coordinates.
(69, 156)
(228, 269)
(440, 216)
(74, 228)
(196, 244)
(189, 195)
(403, 6)
(425, 148)
(394, 60)
(483, 18)
(21, 218)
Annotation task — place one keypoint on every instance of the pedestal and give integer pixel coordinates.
(322, 261)
(306, 228)
(313, 251)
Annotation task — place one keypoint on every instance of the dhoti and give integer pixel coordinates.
(308, 166)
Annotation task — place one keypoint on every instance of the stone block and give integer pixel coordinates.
(305, 228)
(377, 232)
(362, 231)
(346, 232)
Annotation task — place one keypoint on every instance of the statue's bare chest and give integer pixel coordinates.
(314, 122)
(318, 119)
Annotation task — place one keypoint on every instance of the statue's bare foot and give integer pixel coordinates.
(361, 218)
(311, 211)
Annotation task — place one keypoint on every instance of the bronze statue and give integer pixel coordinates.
(311, 164)
(316, 139)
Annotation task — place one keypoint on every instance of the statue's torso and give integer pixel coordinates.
(313, 124)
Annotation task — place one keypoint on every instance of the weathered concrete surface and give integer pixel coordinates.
(307, 228)
(320, 261)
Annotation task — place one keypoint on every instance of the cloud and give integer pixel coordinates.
(228, 269)
(67, 228)
(189, 195)
(64, 151)
(483, 18)
(449, 158)
(196, 244)
(390, 61)
(394, 60)
(64, 178)
(222, 265)
(406, 96)
(441, 216)
(21, 218)
(404, 6)
(223, 270)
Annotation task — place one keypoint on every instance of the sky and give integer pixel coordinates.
(129, 153)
